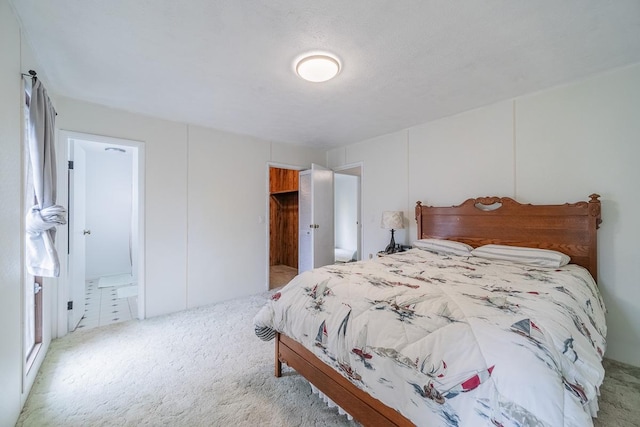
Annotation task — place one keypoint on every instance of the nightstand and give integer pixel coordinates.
(401, 249)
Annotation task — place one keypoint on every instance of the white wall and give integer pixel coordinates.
(463, 156)
(109, 176)
(227, 193)
(205, 193)
(583, 139)
(554, 146)
(165, 196)
(384, 184)
(15, 57)
(10, 219)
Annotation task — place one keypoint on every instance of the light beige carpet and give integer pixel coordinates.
(205, 367)
(619, 396)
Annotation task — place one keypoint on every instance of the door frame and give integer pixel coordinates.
(348, 166)
(64, 291)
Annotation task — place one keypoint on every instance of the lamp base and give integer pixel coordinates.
(391, 247)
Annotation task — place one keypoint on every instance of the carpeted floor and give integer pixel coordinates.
(205, 367)
(619, 396)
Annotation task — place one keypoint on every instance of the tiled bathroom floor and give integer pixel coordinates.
(103, 307)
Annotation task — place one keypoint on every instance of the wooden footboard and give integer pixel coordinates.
(361, 406)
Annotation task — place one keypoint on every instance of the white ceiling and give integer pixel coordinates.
(228, 64)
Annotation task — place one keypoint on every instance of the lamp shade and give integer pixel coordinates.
(393, 220)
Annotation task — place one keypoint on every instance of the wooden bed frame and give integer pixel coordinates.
(569, 228)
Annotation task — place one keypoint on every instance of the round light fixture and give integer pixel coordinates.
(318, 68)
(116, 149)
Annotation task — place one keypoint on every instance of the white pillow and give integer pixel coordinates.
(530, 256)
(447, 247)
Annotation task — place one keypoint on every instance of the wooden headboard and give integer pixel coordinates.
(569, 228)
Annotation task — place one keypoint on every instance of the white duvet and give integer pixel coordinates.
(453, 341)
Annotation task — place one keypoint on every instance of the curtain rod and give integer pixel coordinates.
(31, 74)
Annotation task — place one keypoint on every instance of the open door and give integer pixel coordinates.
(77, 232)
(316, 233)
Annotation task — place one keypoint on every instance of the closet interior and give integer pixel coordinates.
(283, 226)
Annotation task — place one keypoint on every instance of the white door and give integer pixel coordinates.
(316, 231)
(77, 232)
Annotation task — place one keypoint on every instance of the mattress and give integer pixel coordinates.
(451, 340)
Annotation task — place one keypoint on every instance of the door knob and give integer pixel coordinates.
(85, 232)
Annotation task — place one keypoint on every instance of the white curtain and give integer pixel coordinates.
(44, 215)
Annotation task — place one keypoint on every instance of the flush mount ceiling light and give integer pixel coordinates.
(318, 68)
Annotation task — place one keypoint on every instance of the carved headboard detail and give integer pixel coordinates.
(569, 228)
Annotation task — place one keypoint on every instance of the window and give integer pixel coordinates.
(32, 285)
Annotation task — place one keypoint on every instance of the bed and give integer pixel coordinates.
(461, 338)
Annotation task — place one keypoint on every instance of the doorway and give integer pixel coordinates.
(105, 242)
(347, 234)
(283, 225)
(348, 223)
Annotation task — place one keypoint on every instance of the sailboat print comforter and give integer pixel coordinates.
(453, 341)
